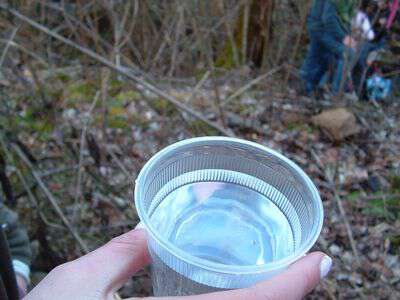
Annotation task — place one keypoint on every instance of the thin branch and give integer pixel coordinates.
(231, 37)
(120, 165)
(78, 189)
(338, 201)
(5, 50)
(218, 99)
(245, 32)
(249, 85)
(23, 49)
(198, 86)
(380, 197)
(178, 32)
(298, 38)
(53, 201)
(27, 188)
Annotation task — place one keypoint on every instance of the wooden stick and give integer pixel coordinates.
(245, 29)
(27, 188)
(121, 165)
(298, 39)
(8, 44)
(198, 86)
(247, 86)
(338, 201)
(53, 201)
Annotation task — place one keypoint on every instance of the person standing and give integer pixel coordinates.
(329, 28)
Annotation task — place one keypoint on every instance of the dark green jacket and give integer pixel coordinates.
(329, 17)
(346, 10)
(17, 236)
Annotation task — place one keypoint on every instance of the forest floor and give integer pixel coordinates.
(85, 137)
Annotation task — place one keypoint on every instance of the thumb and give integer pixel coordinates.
(297, 281)
(115, 262)
(98, 274)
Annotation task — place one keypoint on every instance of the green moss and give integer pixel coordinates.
(297, 126)
(115, 87)
(162, 106)
(118, 122)
(80, 91)
(226, 59)
(34, 122)
(353, 196)
(388, 209)
(240, 108)
(63, 77)
(395, 182)
(199, 127)
(117, 111)
(127, 96)
(395, 241)
(55, 94)
(139, 121)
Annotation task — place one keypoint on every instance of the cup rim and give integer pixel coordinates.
(218, 267)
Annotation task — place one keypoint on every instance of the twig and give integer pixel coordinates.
(178, 32)
(329, 178)
(347, 225)
(382, 197)
(120, 165)
(230, 35)
(247, 86)
(104, 88)
(383, 114)
(30, 53)
(52, 199)
(81, 148)
(150, 87)
(48, 173)
(218, 99)
(298, 39)
(7, 46)
(27, 188)
(198, 86)
(338, 201)
(326, 286)
(162, 47)
(266, 29)
(245, 32)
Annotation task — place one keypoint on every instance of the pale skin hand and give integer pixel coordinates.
(102, 272)
(350, 42)
(22, 285)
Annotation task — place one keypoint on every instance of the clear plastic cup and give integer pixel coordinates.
(224, 213)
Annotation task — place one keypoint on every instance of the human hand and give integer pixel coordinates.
(22, 285)
(350, 42)
(100, 273)
(382, 21)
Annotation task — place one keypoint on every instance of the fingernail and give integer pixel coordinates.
(140, 226)
(325, 266)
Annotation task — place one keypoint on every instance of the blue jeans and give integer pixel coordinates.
(361, 67)
(324, 51)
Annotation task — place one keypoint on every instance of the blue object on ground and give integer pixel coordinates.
(378, 88)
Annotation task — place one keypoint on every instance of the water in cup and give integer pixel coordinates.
(224, 223)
